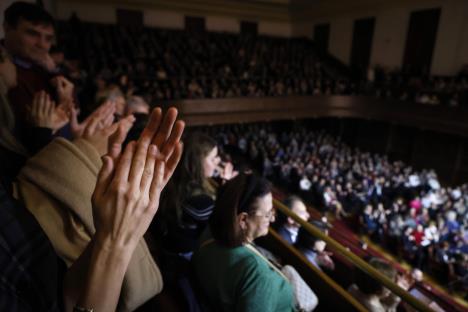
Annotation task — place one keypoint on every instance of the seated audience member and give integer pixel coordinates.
(286, 226)
(233, 275)
(189, 199)
(371, 293)
(124, 201)
(314, 250)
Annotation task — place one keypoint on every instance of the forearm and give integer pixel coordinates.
(95, 279)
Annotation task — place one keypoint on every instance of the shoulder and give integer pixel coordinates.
(199, 206)
(284, 233)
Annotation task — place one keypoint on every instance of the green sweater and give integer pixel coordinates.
(236, 279)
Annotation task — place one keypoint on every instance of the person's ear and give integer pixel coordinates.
(242, 220)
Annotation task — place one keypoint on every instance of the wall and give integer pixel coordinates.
(104, 12)
(392, 19)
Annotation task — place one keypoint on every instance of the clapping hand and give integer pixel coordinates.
(129, 185)
(44, 113)
(101, 114)
(100, 128)
(64, 89)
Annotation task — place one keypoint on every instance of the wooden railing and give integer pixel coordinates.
(332, 297)
(234, 110)
(354, 259)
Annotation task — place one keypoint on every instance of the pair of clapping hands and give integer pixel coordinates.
(130, 182)
(44, 112)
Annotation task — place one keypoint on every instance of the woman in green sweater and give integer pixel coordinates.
(233, 275)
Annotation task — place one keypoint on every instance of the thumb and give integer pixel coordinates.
(73, 117)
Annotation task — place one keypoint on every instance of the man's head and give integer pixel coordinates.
(297, 206)
(29, 31)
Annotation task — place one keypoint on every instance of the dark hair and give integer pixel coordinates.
(31, 12)
(281, 218)
(305, 240)
(370, 286)
(188, 179)
(236, 196)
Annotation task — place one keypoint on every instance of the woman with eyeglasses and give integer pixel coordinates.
(233, 275)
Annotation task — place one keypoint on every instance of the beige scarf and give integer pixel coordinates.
(56, 185)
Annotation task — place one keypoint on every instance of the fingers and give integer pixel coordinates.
(174, 138)
(157, 185)
(123, 167)
(118, 137)
(172, 162)
(138, 163)
(91, 127)
(148, 172)
(109, 119)
(51, 108)
(104, 109)
(35, 105)
(41, 105)
(104, 176)
(73, 115)
(46, 104)
(166, 127)
(152, 126)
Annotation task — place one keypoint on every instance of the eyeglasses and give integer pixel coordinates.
(269, 215)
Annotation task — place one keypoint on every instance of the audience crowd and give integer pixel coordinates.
(164, 64)
(408, 211)
(420, 89)
(77, 196)
(81, 184)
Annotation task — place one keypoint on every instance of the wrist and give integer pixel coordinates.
(108, 246)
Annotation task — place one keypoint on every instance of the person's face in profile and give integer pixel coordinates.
(259, 221)
(210, 162)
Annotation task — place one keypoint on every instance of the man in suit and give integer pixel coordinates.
(286, 226)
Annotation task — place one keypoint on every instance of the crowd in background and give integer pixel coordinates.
(165, 64)
(449, 91)
(90, 163)
(407, 210)
(74, 232)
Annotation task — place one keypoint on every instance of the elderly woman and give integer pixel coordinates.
(233, 275)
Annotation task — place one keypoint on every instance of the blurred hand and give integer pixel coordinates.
(99, 130)
(64, 89)
(227, 173)
(44, 113)
(47, 62)
(129, 186)
(103, 113)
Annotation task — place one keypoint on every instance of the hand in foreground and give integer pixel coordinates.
(129, 185)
